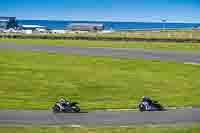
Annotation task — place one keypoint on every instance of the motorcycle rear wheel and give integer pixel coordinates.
(142, 108)
(76, 109)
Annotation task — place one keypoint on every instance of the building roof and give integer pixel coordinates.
(33, 26)
(7, 18)
(85, 24)
(4, 20)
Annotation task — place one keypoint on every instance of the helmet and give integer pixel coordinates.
(62, 100)
(145, 98)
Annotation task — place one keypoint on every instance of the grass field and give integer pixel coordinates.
(181, 129)
(145, 45)
(36, 80)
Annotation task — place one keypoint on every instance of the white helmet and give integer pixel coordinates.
(62, 100)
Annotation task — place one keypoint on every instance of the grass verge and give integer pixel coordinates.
(191, 129)
(34, 80)
(144, 45)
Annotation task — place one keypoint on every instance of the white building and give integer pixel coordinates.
(29, 29)
(58, 31)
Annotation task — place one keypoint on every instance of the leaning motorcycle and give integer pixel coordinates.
(71, 107)
(154, 106)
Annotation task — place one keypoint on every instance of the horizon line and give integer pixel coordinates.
(129, 21)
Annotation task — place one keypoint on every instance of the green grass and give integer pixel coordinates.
(145, 45)
(36, 80)
(181, 129)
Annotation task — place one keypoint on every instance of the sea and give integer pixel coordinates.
(59, 25)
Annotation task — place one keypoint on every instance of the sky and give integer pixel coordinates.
(104, 10)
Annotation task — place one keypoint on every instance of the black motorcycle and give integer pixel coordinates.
(67, 107)
(154, 106)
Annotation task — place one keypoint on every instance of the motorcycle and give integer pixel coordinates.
(67, 107)
(154, 106)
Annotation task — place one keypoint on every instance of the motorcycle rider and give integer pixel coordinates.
(63, 102)
(147, 102)
(147, 99)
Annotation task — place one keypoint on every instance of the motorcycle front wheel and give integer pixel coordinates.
(142, 108)
(56, 109)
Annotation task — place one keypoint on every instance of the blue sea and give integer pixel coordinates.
(109, 25)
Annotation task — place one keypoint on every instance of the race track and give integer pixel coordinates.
(103, 118)
(112, 52)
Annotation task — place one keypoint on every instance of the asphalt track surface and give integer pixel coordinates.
(187, 57)
(43, 117)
